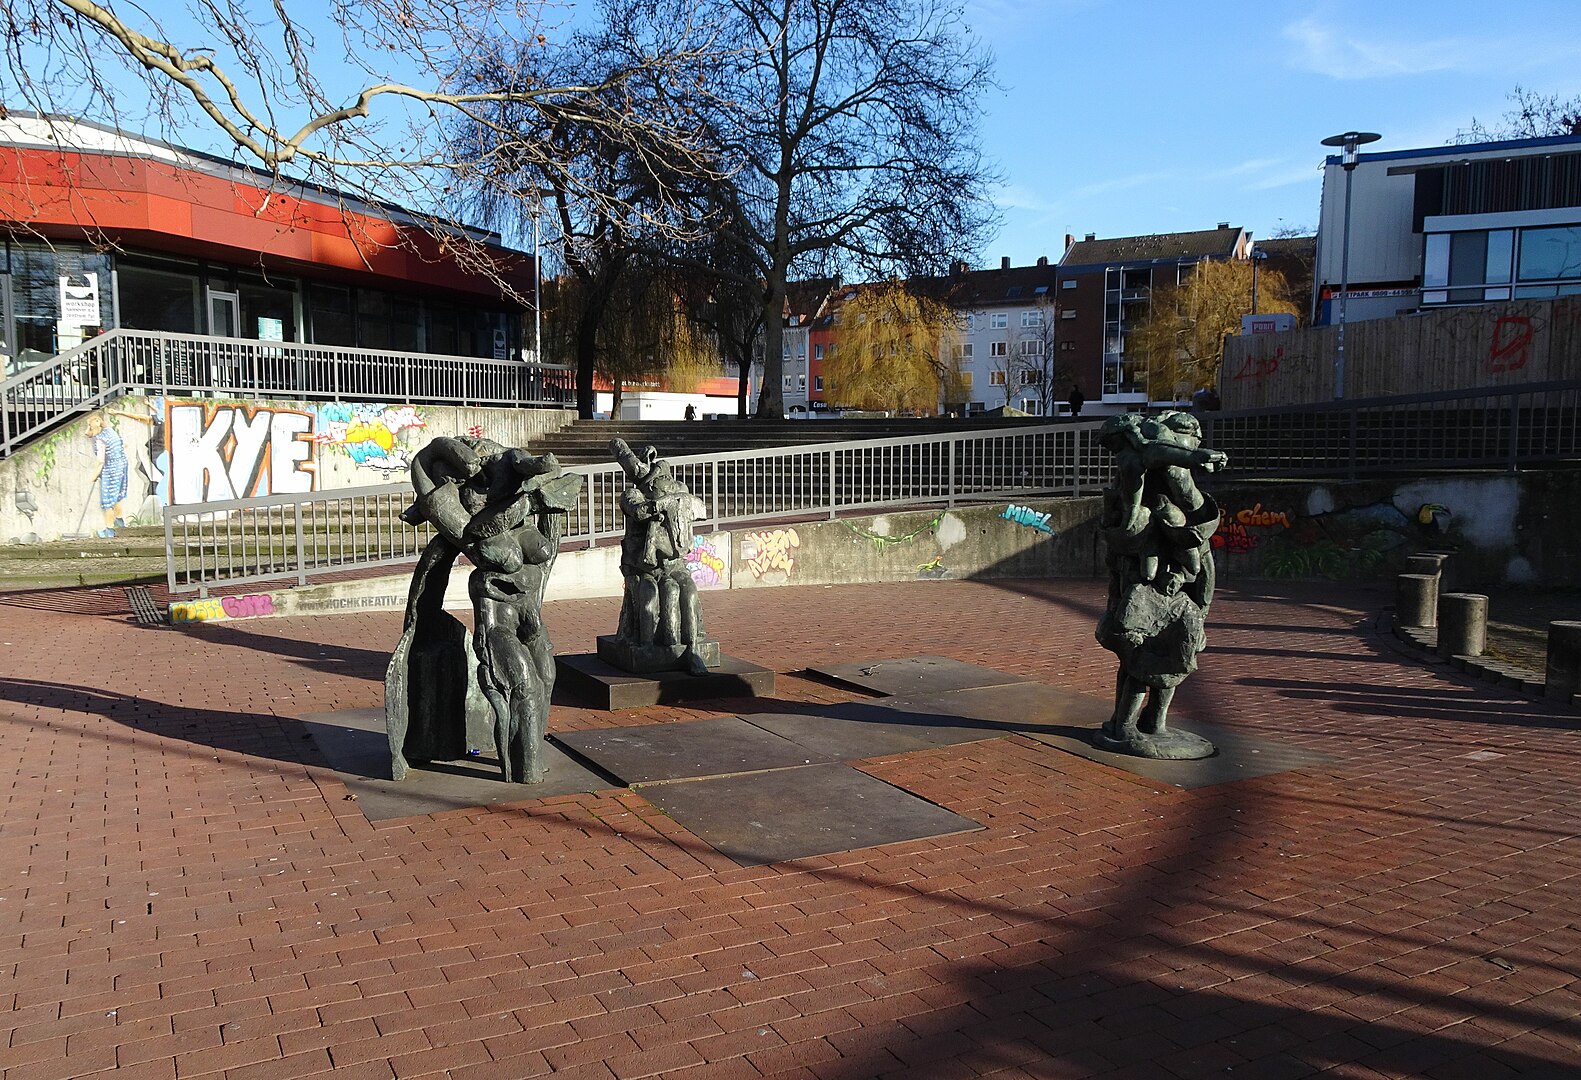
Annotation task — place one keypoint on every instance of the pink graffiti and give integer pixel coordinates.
(247, 607)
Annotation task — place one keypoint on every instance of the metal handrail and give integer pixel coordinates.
(125, 361)
(1503, 427)
(240, 541)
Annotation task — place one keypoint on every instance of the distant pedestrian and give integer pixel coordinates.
(691, 412)
(1076, 400)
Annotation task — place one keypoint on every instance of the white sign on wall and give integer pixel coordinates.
(79, 304)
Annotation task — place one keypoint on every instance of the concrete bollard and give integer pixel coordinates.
(1462, 624)
(1416, 600)
(1424, 564)
(1564, 660)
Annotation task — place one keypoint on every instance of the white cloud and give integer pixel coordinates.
(1326, 48)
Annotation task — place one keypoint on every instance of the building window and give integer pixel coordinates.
(997, 348)
(1031, 318)
(1032, 347)
(158, 299)
(999, 320)
(1068, 313)
(817, 352)
(1477, 266)
(996, 378)
(967, 349)
(1028, 376)
(817, 383)
(966, 380)
(801, 382)
(1067, 346)
(1549, 254)
(787, 382)
(1068, 283)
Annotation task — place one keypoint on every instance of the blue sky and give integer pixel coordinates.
(1122, 117)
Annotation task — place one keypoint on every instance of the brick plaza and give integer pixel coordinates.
(186, 890)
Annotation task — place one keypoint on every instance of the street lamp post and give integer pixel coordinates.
(1349, 142)
(1256, 257)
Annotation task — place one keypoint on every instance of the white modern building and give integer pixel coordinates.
(1447, 225)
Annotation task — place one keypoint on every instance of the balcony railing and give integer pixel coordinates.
(131, 361)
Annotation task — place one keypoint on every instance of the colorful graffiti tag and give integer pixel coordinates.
(368, 434)
(770, 550)
(238, 451)
(216, 608)
(707, 566)
(1234, 535)
(1032, 519)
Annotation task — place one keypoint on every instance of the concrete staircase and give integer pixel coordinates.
(136, 555)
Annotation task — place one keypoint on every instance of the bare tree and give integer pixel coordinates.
(849, 129)
(256, 78)
(1531, 115)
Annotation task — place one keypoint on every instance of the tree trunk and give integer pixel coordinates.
(771, 395)
(586, 356)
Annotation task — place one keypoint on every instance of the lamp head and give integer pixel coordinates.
(1348, 142)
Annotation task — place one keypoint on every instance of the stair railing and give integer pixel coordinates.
(128, 361)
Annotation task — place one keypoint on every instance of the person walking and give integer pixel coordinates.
(1076, 400)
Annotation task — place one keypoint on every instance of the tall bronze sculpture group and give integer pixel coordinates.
(505, 510)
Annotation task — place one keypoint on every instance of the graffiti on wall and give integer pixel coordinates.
(1239, 531)
(368, 434)
(1032, 519)
(770, 550)
(216, 608)
(1510, 347)
(934, 569)
(238, 451)
(706, 565)
(1355, 542)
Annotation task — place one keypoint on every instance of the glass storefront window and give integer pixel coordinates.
(329, 308)
(60, 296)
(268, 311)
(158, 299)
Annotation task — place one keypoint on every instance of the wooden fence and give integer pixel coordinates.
(1455, 349)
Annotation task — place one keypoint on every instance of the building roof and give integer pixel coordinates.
(1289, 246)
(1203, 244)
(804, 299)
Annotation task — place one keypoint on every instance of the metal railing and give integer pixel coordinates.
(240, 541)
(1492, 427)
(131, 361)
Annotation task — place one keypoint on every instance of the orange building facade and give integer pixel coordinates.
(106, 230)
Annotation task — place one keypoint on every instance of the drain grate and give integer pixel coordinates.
(144, 609)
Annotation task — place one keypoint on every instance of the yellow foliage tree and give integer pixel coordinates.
(894, 351)
(1181, 342)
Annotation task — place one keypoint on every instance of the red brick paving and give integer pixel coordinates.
(186, 892)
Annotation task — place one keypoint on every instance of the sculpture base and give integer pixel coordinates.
(607, 687)
(1171, 744)
(647, 659)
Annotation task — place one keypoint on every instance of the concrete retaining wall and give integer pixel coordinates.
(186, 451)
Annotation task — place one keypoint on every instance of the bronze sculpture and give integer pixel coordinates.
(1157, 525)
(505, 509)
(661, 619)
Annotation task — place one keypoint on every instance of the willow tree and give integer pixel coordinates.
(895, 350)
(1181, 341)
